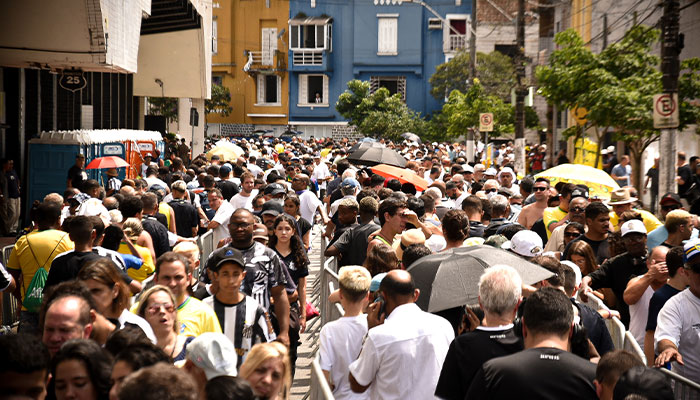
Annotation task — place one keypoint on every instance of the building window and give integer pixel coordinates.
(269, 45)
(313, 90)
(217, 80)
(395, 84)
(269, 90)
(455, 33)
(388, 35)
(306, 36)
(214, 34)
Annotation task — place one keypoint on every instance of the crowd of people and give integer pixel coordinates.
(119, 302)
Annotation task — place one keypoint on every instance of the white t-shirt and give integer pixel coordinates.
(222, 216)
(308, 205)
(341, 342)
(254, 169)
(240, 201)
(403, 357)
(460, 199)
(678, 322)
(321, 172)
(639, 312)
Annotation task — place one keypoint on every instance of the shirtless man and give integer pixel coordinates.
(532, 212)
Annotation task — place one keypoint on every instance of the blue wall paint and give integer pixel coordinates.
(354, 54)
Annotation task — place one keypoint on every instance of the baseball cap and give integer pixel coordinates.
(376, 281)
(225, 169)
(645, 381)
(577, 270)
(230, 257)
(490, 171)
(467, 169)
(147, 155)
(214, 353)
(525, 243)
(691, 252)
(578, 192)
(260, 232)
(350, 183)
(274, 189)
(633, 226)
(272, 208)
(670, 197)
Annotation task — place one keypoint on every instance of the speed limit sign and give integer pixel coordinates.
(486, 122)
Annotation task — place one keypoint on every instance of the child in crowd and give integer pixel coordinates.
(242, 319)
(341, 340)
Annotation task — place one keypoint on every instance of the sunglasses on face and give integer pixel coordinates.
(491, 190)
(578, 209)
(572, 234)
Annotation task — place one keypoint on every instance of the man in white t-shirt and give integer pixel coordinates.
(341, 340)
(224, 209)
(309, 203)
(244, 198)
(677, 337)
(321, 174)
(640, 290)
(405, 347)
(253, 167)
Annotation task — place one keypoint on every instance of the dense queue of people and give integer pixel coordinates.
(118, 302)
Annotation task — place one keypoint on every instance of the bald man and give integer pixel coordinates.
(68, 317)
(405, 347)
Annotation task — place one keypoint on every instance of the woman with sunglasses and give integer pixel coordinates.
(157, 306)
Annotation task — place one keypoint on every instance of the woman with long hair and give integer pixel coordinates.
(381, 258)
(111, 294)
(287, 243)
(291, 207)
(158, 306)
(81, 370)
(581, 254)
(267, 370)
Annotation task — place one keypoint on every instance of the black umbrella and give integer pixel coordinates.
(376, 155)
(364, 145)
(451, 278)
(411, 136)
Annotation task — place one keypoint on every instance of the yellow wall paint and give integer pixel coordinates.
(239, 24)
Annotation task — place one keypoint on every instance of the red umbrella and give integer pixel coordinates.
(107, 162)
(404, 175)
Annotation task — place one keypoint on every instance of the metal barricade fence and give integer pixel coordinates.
(206, 246)
(617, 332)
(319, 388)
(683, 388)
(633, 346)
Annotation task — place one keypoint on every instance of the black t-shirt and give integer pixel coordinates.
(295, 272)
(467, 353)
(657, 301)
(339, 230)
(304, 226)
(65, 266)
(539, 228)
(352, 244)
(77, 177)
(596, 330)
(686, 174)
(493, 226)
(538, 373)
(601, 248)
(186, 217)
(228, 188)
(159, 234)
(615, 273)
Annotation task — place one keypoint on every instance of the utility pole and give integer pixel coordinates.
(520, 90)
(472, 75)
(670, 67)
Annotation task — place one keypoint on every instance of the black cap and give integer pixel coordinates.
(274, 189)
(645, 381)
(670, 197)
(578, 192)
(230, 256)
(272, 208)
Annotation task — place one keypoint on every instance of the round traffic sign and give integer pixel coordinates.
(665, 105)
(486, 119)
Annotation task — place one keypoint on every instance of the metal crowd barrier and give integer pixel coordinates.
(206, 246)
(10, 305)
(617, 332)
(633, 346)
(683, 388)
(319, 388)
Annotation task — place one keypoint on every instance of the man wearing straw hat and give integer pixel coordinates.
(622, 201)
(113, 183)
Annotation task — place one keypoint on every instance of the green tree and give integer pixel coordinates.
(616, 87)
(494, 70)
(379, 113)
(461, 112)
(164, 106)
(220, 101)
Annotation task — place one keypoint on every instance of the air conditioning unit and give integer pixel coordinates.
(434, 23)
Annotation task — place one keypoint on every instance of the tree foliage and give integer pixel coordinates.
(164, 106)
(461, 112)
(379, 113)
(220, 101)
(616, 87)
(494, 70)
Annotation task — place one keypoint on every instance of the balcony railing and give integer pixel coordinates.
(261, 60)
(307, 57)
(458, 42)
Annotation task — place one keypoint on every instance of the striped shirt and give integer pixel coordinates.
(245, 324)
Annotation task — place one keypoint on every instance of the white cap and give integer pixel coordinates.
(214, 354)
(490, 171)
(604, 152)
(525, 243)
(467, 168)
(633, 226)
(611, 149)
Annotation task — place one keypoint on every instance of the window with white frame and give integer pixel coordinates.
(214, 33)
(313, 90)
(387, 34)
(268, 45)
(394, 84)
(456, 32)
(269, 90)
(310, 36)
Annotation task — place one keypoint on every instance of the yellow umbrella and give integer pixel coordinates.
(226, 150)
(599, 183)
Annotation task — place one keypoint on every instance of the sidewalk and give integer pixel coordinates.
(302, 376)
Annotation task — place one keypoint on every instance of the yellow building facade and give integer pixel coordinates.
(249, 58)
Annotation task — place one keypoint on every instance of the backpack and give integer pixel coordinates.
(35, 291)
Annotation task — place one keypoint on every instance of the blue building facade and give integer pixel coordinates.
(392, 46)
